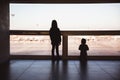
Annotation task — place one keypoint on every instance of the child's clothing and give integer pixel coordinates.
(83, 50)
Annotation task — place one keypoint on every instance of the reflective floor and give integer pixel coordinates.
(60, 70)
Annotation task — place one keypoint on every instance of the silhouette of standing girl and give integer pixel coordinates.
(55, 36)
(83, 50)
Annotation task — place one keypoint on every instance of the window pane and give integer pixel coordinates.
(69, 16)
(98, 45)
(30, 45)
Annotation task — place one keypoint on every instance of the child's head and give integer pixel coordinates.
(83, 41)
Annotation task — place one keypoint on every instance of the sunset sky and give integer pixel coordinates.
(69, 16)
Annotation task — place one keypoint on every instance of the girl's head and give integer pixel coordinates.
(83, 41)
(54, 24)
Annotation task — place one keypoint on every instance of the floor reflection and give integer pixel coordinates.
(83, 70)
(60, 70)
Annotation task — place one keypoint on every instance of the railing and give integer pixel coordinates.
(35, 32)
(65, 35)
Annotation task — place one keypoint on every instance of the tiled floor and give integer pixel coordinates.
(60, 70)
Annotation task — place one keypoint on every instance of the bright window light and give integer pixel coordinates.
(69, 16)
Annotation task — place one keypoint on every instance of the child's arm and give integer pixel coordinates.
(87, 48)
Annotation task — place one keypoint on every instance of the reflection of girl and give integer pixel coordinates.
(55, 36)
(83, 49)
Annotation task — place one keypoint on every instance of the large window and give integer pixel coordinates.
(69, 16)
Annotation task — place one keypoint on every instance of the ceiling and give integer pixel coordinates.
(64, 1)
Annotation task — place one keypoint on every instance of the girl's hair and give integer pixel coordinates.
(54, 24)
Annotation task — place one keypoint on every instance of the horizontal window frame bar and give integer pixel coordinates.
(93, 32)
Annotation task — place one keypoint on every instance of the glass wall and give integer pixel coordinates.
(98, 45)
(75, 17)
(30, 45)
(100, 16)
(41, 45)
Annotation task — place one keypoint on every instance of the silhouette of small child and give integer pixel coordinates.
(83, 50)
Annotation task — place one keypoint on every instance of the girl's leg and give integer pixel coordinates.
(57, 50)
(53, 48)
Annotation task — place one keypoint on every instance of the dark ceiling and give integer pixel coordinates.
(65, 1)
